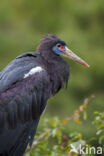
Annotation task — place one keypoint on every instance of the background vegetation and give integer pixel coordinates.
(78, 22)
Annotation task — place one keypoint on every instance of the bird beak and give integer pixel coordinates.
(68, 53)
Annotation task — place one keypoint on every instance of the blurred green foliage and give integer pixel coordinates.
(80, 23)
(52, 140)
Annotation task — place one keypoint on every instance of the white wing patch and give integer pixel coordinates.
(33, 71)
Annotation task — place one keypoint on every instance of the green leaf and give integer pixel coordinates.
(54, 132)
(59, 136)
(101, 139)
(99, 132)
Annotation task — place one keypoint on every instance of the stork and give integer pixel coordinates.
(25, 86)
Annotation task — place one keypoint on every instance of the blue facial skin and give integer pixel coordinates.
(57, 50)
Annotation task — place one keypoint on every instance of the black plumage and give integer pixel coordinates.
(25, 86)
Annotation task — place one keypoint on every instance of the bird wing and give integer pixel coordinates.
(15, 71)
(23, 94)
(22, 88)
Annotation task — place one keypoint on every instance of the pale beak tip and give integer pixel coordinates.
(87, 65)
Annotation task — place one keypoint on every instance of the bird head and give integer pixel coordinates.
(58, 47)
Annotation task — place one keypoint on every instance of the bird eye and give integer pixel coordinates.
(60, 46)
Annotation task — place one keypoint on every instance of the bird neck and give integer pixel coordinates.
(59, 75)
(58, 71)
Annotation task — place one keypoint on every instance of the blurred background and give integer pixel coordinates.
(80, 23)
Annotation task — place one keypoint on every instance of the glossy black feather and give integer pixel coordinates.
(22, 100)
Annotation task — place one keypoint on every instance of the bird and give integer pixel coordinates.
(26, 84)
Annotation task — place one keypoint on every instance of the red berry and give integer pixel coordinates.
(64, 137)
